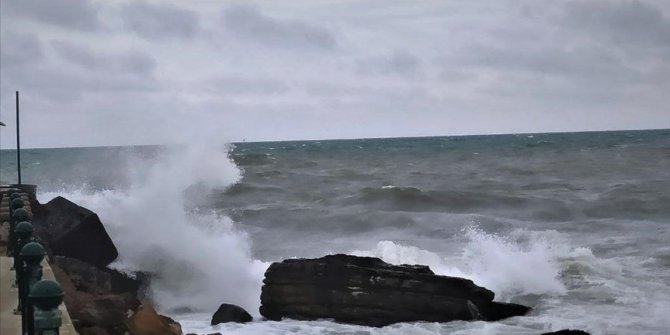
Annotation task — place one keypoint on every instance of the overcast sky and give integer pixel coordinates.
(145, 72)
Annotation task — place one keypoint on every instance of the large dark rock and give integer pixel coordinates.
(567, 332)
(368, 291)
(74, 231)
(230, 313)
(90, 279)
(95, 308)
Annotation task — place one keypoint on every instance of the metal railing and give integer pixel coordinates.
(38, 299)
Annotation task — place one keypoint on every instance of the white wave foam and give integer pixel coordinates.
(522, 263)
(198, 260)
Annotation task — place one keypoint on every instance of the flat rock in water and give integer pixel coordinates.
(567, 332)
(368, 291)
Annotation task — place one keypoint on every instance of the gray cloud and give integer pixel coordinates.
(59, 85)
(279, 72)
(159, 20)
(250, 24)
(71, 14)
(626, 21)
(20, 49)
(129, 62)
(250, 85)
(544, 59)
(397, 62)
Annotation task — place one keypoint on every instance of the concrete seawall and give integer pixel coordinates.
(10, 323)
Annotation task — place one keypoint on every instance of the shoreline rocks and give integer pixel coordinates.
(73, 231)
(230, 313)
(100, 300)
(368, 291)
(349, 289)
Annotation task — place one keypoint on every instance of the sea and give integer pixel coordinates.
(575, 225)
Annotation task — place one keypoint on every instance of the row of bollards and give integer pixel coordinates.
(38, 299)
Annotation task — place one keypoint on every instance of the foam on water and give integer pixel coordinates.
(198, 260)
(606, 268)
(522, 263)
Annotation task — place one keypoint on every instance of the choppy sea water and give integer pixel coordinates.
(575, 225)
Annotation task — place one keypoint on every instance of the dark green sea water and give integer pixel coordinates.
(576, 225)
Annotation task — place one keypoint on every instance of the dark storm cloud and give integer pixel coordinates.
(630, 22)
(250, 24)
(71, 14)
(20, 49)
(397, 62)
(59, 85)
(129, 62)
(157, 21)
(74, 71)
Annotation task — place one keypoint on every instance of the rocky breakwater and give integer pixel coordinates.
(100, 300)
(368, 291)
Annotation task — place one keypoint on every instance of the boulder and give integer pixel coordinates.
(146, 321)
(96, 309)
(90, 279)
(567, 332)
(230, 313)
(368, 291)
(74, 231)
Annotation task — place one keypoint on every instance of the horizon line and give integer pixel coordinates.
(349, 138)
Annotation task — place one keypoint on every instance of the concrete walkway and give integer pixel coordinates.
(10, 324)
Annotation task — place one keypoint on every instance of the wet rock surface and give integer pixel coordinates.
(567, 332)
(100, 300)
(94, 308)
(368, 291)
(230, 313)
(74, 231)
(146, 321)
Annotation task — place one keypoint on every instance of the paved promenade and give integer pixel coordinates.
(10, 324)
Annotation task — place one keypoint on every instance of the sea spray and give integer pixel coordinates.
(521, 263)
(197, 259)
(610, 250)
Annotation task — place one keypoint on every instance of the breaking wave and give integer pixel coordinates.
(522, 263)
(197, 259)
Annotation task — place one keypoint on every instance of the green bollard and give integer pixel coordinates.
(46, 296)
(24, 233)
(18, 215)
(32, 255)
(17, 203)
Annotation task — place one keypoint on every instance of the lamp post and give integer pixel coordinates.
(18, 139)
